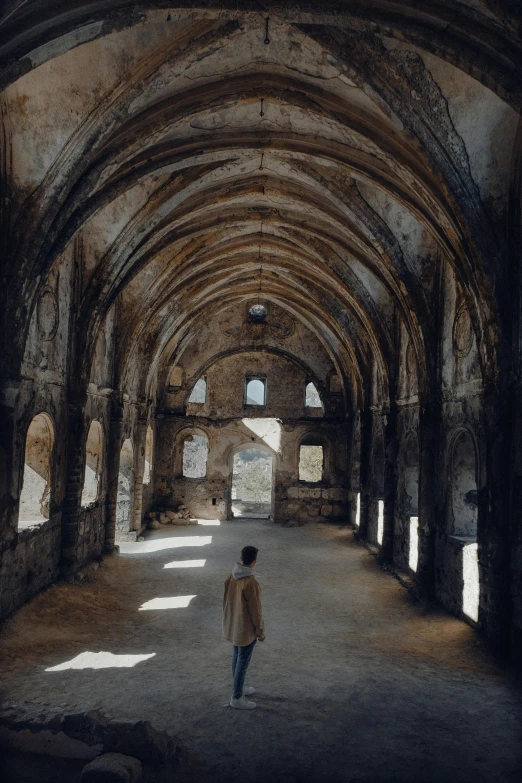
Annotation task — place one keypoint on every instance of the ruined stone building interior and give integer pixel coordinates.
(260, 284)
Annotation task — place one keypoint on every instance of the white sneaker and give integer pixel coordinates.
(249, 690)
(242, 703)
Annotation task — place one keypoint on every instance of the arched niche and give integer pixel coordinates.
(93, 463)
(410, 500)
(125, 487)
(149, 447)
(35, 497)
(176, 377)
(463, 474)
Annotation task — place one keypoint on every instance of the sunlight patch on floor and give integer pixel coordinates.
(170, 602)
(158, 544)
(100, 660)
(185, 564)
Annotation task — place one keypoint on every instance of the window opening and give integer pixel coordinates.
(413, 554)
(125, 488)
(311, 463)
(312, 399)
(195, 453)
(148, 456)
(93, 464)
(199, 392)
(35, 497)
(252, 484)
(255, 391)
(380, 521)
(358, 509)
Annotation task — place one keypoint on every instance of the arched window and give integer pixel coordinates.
(125, 487)
(36, 487)
(176, 376)
(93, 463)
(199, 392)
(255, 391)
(312, 399)
(148, 456)
(195, 453)
(311, 459)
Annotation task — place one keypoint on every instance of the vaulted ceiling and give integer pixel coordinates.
(331, 156)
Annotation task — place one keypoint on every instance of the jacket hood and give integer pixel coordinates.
(240, 571)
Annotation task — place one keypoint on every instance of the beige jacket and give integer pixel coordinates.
(242, 617)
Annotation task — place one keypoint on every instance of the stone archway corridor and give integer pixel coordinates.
(356, 681)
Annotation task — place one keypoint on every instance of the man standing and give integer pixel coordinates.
(243, 622)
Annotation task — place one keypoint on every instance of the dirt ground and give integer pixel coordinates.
(356, 682)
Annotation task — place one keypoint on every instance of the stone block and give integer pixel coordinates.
(112, 768)
(326, 510)
(308, 493)
(293, 492)
(335, 493)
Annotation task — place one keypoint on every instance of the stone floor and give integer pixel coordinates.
(355, 681)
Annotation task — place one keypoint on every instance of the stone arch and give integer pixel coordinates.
(35, 496)
(93, 463)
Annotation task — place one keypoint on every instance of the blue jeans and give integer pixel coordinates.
(240, 660)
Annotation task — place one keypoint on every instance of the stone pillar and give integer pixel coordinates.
(430, 510)
(113, 468)
(366, 471)
(391, 479)
(71, 555)
(494, 529)
(8, 501)
(139, 467)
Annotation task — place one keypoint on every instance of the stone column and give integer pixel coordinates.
(366, 471)
(72, 556)
(139, 467)
(113, 468)
(430, 510)
(390, 481)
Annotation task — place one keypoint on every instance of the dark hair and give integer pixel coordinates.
(248, 555)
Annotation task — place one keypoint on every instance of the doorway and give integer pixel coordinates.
(252, 484)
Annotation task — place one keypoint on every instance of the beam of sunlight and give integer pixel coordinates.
(174, 602)
(100, 660)
(380, 521)
(413, 553)
(209, 522)
(268, 430)
(158, 544)
(358, 510)
(185, 564)
(471, 588)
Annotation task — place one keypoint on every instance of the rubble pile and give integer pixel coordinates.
(181, 516)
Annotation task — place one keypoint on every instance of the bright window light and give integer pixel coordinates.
(268, 430)
(199, 392)
(358, 510)
(413, 556)
(101, 660)
(255, 391)
(380, 521)
(185, 564)
(158, 544)
(174, 602)
(471, 589)
(312, 399)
